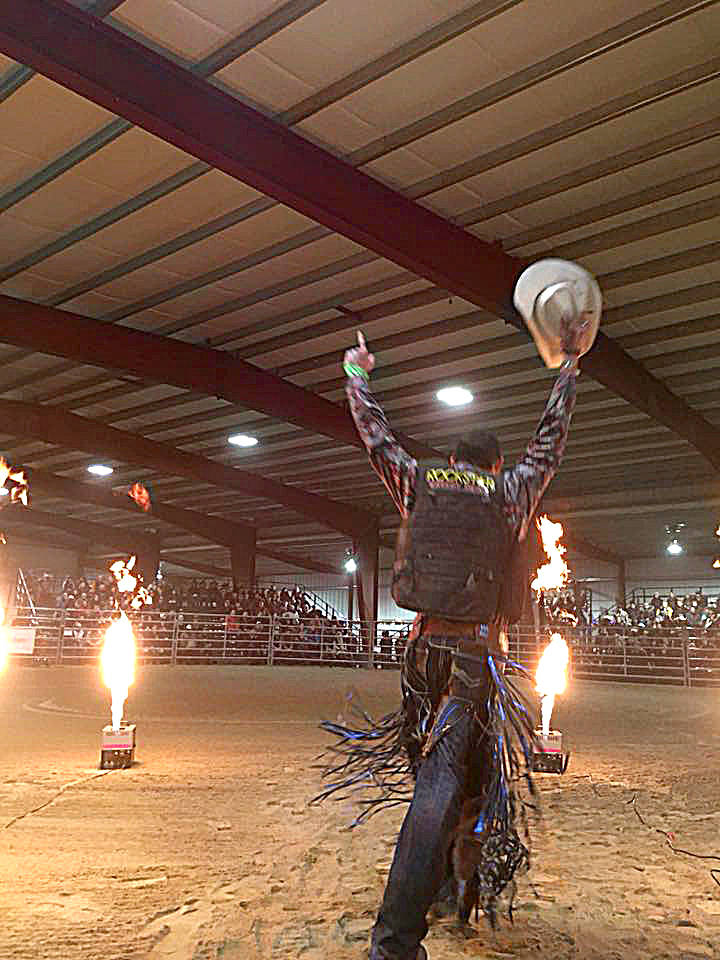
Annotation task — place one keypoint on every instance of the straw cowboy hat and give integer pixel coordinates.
(550, 290)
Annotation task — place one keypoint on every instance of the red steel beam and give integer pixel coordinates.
(118, 538)
(189, 366)
(53, 425)
(100, 63)
(181, 560)
(589, 549)
(215, 529)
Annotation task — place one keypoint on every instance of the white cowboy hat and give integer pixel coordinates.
(550, 290)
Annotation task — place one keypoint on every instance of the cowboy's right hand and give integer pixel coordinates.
(360, 356)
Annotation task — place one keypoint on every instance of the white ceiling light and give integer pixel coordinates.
(350, 565)
(100, 470)
(674, 548)
(242, 440)
(454, 396)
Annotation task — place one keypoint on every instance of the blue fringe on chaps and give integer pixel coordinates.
(465, 733)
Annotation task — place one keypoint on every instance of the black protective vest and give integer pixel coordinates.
(454, 550)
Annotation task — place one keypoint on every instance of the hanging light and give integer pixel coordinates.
(454, 396)
(350, 565)
(674, 547)
(242, 440)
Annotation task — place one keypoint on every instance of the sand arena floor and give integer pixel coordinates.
(206, 849)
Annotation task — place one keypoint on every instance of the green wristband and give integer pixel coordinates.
(353, 370)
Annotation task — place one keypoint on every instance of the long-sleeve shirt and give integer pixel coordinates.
(524, 484)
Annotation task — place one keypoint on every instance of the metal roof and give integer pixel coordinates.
(590, 132)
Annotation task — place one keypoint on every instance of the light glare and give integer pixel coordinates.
(674, 548)
(350, 565)
(454, 396)
(100, 470)
(242, 440)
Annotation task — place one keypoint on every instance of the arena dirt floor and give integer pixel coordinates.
(207, 848)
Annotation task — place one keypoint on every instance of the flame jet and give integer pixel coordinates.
(551, 676)
(117, 662)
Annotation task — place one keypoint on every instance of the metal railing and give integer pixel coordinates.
(679, 656)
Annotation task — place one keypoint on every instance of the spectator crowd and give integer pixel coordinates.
(569, 606)
(206, 619)
(203, 620)
(659, 613)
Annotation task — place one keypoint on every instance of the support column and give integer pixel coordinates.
(351, 597)
(621, 584)
(148, 558)
(242, 560)
(367, 553)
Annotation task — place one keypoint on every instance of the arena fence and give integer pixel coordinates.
(680, 656)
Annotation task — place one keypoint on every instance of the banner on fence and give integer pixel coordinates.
(22, 640)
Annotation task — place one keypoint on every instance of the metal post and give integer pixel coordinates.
(61, 638)
(174, 645)
(624, 641)
(225, 637)
(271, 642)
(536, 600)
(687, 680)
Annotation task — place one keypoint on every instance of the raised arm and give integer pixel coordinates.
(395, 467)
(527, 481)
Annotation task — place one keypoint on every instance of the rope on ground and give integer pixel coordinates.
(670, 840)
(65, 786)
(668, 834)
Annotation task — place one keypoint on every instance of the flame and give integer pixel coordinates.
(551, 676)
(555, 573)
(18, 493)
(127, 583)
(19, 490)
(117, 662)
(4, 645)
(141, 495)
(122, 571)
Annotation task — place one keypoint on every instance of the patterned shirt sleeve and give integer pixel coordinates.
(395, 467)
(527, 481)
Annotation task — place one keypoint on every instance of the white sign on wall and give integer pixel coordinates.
(21, 640)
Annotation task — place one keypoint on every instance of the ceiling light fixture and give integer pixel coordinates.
(674, 548)
(100, 470)
(242, 440)
(454, 396)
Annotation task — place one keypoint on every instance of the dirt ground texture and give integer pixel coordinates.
(207, 848)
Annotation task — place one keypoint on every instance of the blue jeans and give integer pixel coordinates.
(447, 776)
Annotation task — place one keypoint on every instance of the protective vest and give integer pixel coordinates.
(454, 549)
(525, 557)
